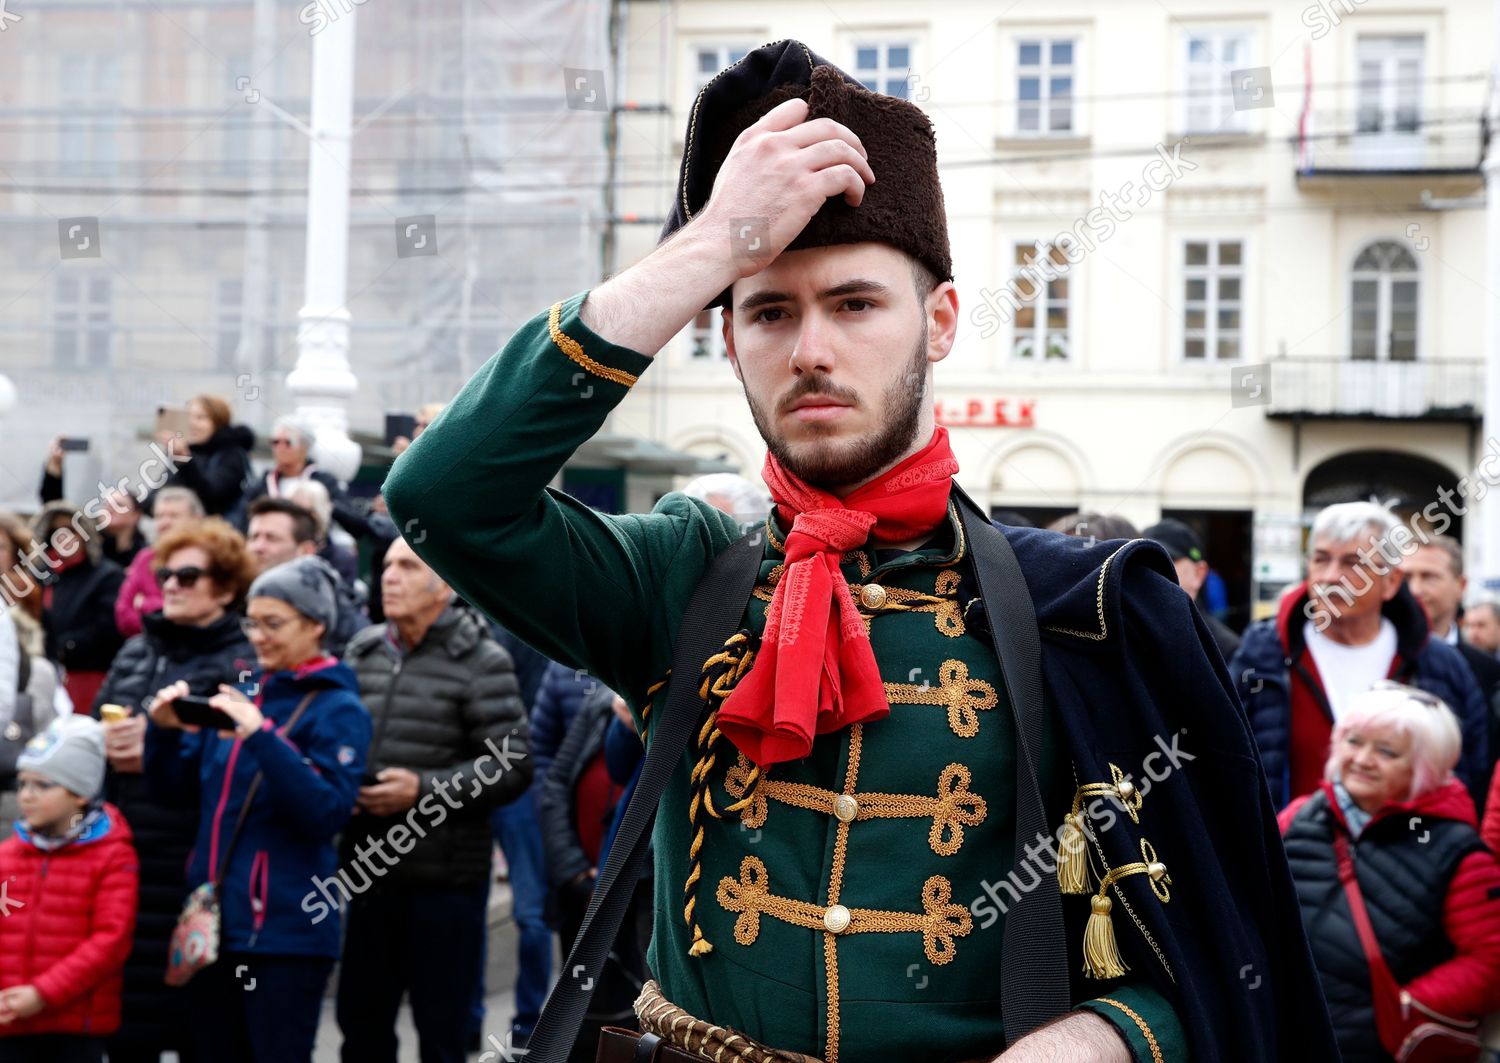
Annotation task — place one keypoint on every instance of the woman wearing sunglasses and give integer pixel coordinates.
(203, 571)
(271, 794)
(1400, 898)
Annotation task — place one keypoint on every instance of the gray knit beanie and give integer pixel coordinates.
(70, 752)
(308, 584)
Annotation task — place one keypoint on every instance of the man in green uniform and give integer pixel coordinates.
(834, 855)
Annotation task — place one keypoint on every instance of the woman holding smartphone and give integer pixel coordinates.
(303, 732)
(203, 570)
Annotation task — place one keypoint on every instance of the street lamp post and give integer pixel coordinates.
(322, 381)
(1489, 507)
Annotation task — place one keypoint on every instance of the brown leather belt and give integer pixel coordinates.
(617, 1045)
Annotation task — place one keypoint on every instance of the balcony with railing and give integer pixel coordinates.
(1369, 143)
(1327, 388)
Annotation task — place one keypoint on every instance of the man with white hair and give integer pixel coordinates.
(292, 442)
(1352, 623)
(732, 494)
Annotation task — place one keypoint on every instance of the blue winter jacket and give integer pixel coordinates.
(311, 778)
(558, 698)
(1273, 649)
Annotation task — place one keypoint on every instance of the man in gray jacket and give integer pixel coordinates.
(450, 744)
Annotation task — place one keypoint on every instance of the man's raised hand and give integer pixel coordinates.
(781, 170)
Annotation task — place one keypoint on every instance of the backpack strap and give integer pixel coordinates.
(712, 615)
(1034, 985)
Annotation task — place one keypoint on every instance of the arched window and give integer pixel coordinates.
(1383, 300)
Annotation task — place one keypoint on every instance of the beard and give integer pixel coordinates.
(848, 463)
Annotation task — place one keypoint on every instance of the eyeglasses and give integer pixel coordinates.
(187, 575)
(271, 625)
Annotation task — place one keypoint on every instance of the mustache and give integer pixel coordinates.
(810, 385)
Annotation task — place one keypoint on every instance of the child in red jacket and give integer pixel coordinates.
(67, 903)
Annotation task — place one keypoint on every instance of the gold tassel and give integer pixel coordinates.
(701, 946)
(1101, 956)
(1072, 855)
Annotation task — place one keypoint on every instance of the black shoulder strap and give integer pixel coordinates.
(1034, 985)
(712, 615)
(23, 662)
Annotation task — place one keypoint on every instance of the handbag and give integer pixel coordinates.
(195, 938)
(1409, 1031)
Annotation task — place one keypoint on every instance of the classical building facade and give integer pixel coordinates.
(1219, 263)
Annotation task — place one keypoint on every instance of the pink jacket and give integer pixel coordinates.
(139, 594)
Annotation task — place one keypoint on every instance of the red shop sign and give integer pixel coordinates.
(986, 413)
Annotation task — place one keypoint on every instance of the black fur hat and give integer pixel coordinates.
(903, 208)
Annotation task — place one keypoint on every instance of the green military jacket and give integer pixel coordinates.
(850, 905)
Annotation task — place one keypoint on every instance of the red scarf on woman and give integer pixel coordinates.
(816, 671)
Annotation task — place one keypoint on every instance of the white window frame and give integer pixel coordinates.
(883, 73)
(88, 143)
(706, 338)
(1044, 300)
(1384, 302)
(82, 318)
(726, 54)
(1392, 95)
(1044, 71)
(1214, 84)
(1211, 272)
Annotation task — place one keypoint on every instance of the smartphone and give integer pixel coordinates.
(369, 779)
(171, 420)
(75, 444)
(399, 424)
(195, 710)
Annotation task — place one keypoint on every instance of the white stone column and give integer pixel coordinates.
(1489, 507)
(323, 381)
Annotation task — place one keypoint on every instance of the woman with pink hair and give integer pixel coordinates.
(1400, 897)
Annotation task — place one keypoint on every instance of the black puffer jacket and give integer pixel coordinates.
(1406, 866)
(80, 623)
(218, 470)
(449, 710)
(163, 653)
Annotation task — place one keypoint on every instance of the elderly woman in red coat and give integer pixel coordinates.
(1430, 887)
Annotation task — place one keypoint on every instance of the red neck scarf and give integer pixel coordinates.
(816, 671)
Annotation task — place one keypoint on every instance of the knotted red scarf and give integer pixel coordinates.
(816, 671)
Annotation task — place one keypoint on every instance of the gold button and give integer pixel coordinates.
(845, 808)
(872, 596)
(1156, 869)
(836, 919)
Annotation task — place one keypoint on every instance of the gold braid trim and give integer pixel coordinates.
(651, 692)
(963, 697)
(1156, 1055)
(939, 922)
(574, 350)
(954, 808)
(720, 674)
(1103, 632)
(835, 888)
